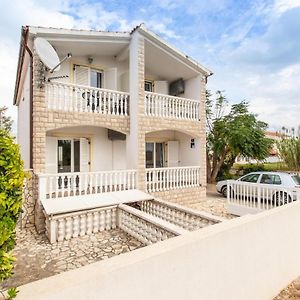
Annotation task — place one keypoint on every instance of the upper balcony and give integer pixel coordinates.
(96, 80)
(79, 98)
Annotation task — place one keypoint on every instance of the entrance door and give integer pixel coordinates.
(64, 159)
(73, 155)
(155, 155)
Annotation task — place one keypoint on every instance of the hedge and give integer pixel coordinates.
(12, 177)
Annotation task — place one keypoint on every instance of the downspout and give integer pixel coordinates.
(26, 33)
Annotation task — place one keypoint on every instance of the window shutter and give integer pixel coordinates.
(51, 154)
(110, 79)
(81, 75)
(173, 153)
(84, 155)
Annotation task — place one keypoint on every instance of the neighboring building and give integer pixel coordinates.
(274, 152)
(109, 123)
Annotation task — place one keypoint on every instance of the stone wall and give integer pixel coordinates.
(185, 196)
(27, 215)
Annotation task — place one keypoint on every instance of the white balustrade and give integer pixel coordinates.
(162, 179)
(72, 184)
(65, 226)
(142, 227)
(78, 98)
(245, 197)
(166, 106)
(178, 215)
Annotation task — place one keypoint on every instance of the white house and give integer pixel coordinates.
(126, 111)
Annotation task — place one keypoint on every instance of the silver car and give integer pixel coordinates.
(274, 178)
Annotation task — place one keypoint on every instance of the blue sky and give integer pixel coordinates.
(252, 46)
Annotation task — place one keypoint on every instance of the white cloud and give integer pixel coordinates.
(282, 6)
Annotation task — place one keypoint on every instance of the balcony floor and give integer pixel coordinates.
(38, 259)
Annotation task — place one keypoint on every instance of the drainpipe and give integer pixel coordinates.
(25, 47)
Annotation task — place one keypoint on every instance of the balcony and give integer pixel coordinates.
(78, 98)
(163, 179)
(166, 106)
(84, 183)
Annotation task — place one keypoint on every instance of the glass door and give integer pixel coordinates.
(159, 155)
(64, 159)
(155, 155)
(149, 155)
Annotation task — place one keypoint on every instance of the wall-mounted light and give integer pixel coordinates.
(192, 143)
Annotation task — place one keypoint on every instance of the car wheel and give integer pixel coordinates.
(281, 198)
(224, 191)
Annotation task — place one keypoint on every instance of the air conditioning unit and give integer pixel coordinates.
(115, 135)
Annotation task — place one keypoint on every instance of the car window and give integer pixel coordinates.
(250, 178)
(296, 179)
(270, 179)
(276, 179)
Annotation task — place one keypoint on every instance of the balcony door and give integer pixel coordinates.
(73, 155)
(155, 155)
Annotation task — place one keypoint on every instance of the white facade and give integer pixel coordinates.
(109, 109)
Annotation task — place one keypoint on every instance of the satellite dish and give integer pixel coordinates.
(47, 54)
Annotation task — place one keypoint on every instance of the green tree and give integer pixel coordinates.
(12, 178)
(289, 150)
(5, 121)
(232, 131)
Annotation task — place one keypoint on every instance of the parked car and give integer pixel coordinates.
(273, 178)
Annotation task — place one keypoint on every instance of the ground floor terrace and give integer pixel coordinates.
(37, 258)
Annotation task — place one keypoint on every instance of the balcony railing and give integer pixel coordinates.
(166, 106)
(78, 98)
(72, 184)
(162, 179)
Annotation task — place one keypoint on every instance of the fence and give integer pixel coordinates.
(245, 197)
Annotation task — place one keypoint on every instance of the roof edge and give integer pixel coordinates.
(156, 38)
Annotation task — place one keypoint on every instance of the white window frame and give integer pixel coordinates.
(89, 68)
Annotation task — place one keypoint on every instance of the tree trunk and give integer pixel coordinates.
(208, 168)
(217, 167)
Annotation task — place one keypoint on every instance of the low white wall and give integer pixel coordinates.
(251, 257)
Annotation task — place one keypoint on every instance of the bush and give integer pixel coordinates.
(290, 152)
(12, 178)
(248, 168)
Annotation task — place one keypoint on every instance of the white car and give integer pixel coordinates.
(275, 178)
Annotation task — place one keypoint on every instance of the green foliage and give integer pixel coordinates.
(12, 293)
(12, 178)
(289, 150)
(248, 168)
(232, 131)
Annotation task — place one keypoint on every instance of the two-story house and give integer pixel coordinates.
(126, 111)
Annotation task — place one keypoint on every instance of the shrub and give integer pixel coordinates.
(289, 150)
(12, 178)
(248, 168)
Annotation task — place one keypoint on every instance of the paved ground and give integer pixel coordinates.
(37, 258)
(214, 203)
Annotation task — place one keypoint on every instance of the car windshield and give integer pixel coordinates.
(296, 179)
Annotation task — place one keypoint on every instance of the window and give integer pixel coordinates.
(148, 86)
(88, 76)
(250, 178)
(95, 78)
(155, 155)
(296, 179)
(270, 179)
